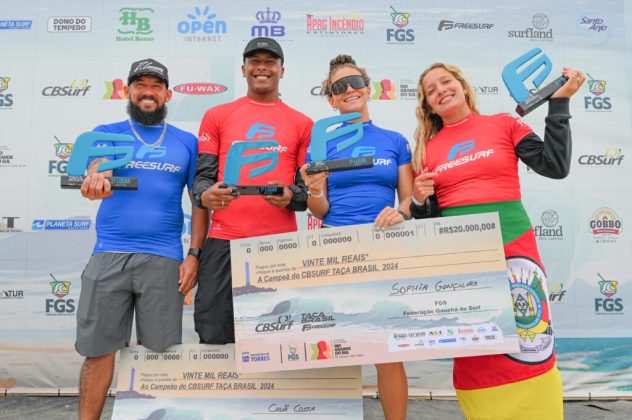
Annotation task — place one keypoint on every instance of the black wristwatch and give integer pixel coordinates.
(196, 252)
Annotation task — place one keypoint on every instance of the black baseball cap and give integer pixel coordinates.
(263, 44)
(150, 67)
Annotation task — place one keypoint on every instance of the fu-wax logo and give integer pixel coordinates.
(135, 24)
(517, 72)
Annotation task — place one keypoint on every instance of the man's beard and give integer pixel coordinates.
(146, 118)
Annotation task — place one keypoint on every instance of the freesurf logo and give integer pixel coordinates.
(609, 305)
(529, 65)
(447, 25)
(462, 149)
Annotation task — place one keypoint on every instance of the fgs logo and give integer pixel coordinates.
(400, 35)
(598, 102)
(6, 99)
(608, 288)
(62, 151)
(60, 306)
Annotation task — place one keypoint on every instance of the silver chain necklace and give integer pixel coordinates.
(149, 146)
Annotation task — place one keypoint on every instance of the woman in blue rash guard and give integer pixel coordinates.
(365, 195)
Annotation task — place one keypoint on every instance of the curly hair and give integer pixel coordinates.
(336, 64)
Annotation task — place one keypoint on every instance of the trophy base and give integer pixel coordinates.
(255, 189)
(340, 165)
(117, 182)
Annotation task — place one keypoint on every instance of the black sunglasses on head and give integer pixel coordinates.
(340, 85)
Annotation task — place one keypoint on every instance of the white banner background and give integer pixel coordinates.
(36, 130)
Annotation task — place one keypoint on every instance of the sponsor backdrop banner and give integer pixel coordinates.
(64, 65)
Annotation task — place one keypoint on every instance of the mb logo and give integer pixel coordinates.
(517, 72)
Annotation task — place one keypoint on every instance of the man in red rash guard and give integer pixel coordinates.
(260, 115)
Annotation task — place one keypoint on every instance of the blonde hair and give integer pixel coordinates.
(429, 124)
(336, 64)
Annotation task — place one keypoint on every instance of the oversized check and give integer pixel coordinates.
(199, 381)
(423, 289)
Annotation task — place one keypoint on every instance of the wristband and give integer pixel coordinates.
(319, 195)
(404, 215)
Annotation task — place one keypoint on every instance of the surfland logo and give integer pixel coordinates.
(550, 229)
(539, 31)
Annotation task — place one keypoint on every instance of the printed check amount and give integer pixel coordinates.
(353, 295)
